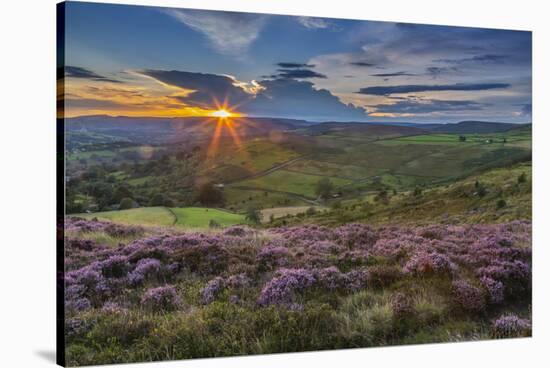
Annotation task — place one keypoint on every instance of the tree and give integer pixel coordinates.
(253, 214)
(209, 195)
(522, 178)
(462, 138)
(126, 203)
(157, 199)
(324, 188)
(501, 203)
(417, 191)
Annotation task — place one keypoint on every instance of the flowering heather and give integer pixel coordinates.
(272, 256)
(281, 289)
(495, 289)
(358, 278)
(425, 263)
(146, 268)
(511, 326)
(212, 290)
(468, 296)
(330, 278)
(115, 266)
(116, 230)
(162, 298)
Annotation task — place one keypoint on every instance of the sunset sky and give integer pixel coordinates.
(148, 61)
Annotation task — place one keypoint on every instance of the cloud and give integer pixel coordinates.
(300, 99)
(298, 73)
(78, 72)
(421, 106)
(207, 88)
(438, 71)
(280, 97)
(483, 59)
(229, 33)
(287, 65)
(387, 90)
(314, 23)
(362, 63)
(396, 74)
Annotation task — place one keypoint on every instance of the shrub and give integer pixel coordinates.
(511, 326)
(126, 203)
(162, 298)
(495, 289)
(146, 268)
(384, 275)
(281, 289)
(467, 296)
(211, 290)
(115, 266)
(426, 263)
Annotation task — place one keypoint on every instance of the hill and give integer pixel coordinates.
(472, 127)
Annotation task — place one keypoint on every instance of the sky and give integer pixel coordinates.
(125, 60)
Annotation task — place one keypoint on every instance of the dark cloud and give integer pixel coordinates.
(294, 98)
(422, 106)
(78, 72)
(280, 97)
(299, 74)
(295, 65)
(208, 88)
(396, 74)
(482, 59)
(437, 71)
(362, 63)
(387, 90)
(94, 104)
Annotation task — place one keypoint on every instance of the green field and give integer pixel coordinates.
(198, 217)
(189, 217)
(291, 182)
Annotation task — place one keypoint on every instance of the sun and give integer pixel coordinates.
(221, 114)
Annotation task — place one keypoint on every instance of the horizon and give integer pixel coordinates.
(172, 62)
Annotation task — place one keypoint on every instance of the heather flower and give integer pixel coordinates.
(281, 289)
(425, 263)
(116, 230)
(79, 304)
(355, 280)
(115, 266)
(75, 326)
(212, 290)
(468, 296)
(511, 326)
(271, 257)
(146, 267)
(163, 298)
(384, 275)
(238, 281)
(330, 278)
(495, 289)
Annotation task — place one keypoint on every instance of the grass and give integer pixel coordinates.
(292, 182)
(198, 217)
(147, 216)
(188, 217)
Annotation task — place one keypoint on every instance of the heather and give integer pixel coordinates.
(173, 295)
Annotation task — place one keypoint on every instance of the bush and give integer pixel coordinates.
(467, 296)
(162, 298)
(511, 326)
(401, 305)
(126, 203)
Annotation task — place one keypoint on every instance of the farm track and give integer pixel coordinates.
(173, 214)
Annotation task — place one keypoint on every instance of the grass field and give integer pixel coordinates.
(292, 182)
(148, 216)
(189, 217)
(198, 217)
(278, 212)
